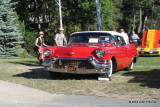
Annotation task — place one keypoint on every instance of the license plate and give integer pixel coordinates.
(71, 68)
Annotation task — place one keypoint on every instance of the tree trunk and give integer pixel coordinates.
(134, 21)
(140, 21)
(39, 23)
(144, 24)
(83, 26)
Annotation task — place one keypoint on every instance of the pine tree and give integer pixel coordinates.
(10, 38)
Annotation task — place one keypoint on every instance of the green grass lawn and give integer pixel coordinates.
(143, 82)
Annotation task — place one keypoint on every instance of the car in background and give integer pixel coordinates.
(91, 52)
(150, 45)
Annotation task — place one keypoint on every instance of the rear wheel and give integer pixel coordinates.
(55, 74)
(107, 76)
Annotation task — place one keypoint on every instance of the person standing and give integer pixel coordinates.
(39, 42)
(134, 38)
(125, 36)
(60, 38)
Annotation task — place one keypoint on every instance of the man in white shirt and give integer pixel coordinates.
(125, 36)
(60, 38)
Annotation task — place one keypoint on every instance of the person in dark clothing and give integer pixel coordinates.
(40, 40)
(39, 46)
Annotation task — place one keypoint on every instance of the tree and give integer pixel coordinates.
(82, 14)
(38, 15)
(10, 38)
(111, 14)
(141, 14)
(77, 15)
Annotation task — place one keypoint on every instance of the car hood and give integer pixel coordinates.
(78, 50)
(74, 51)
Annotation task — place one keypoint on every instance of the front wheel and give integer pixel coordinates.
(107, 76)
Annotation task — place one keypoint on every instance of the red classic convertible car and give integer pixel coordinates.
(100, 52)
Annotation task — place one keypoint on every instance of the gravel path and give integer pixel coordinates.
(14, 95)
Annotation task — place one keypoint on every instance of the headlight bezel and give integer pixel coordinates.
(47, 52)
(153, 49)
(141, 49)
(100, 53)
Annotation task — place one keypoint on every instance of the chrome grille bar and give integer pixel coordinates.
(82, 64)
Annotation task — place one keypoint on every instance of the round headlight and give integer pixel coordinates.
(47, 52)
(100, 53)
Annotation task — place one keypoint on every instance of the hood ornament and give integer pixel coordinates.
(70, 53)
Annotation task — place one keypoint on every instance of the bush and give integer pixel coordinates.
(24, 54)
(29, 45)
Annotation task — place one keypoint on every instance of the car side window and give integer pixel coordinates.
(104, 39)
(107, 39)
(112, 40)
(120, 40)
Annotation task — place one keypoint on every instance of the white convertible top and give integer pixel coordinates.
(110, 32)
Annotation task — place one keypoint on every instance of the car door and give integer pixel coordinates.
(123, 48)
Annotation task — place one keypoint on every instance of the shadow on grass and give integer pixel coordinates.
(149, 79)
(40, 73)
(66, 76)
(37, 73)
(27, 63)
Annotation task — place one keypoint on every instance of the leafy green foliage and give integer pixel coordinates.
(110, 14)
(29, 45)
(40, 15)
(150, 14)
(80, 15)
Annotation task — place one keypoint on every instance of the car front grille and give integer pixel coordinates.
(82, 64)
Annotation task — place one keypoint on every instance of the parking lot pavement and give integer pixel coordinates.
(14, 95)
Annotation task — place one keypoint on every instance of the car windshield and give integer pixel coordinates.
(91, 38)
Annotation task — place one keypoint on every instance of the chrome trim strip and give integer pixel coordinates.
(96, 64)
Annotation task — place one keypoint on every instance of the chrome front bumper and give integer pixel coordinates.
(100, 67)
(144, 53)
